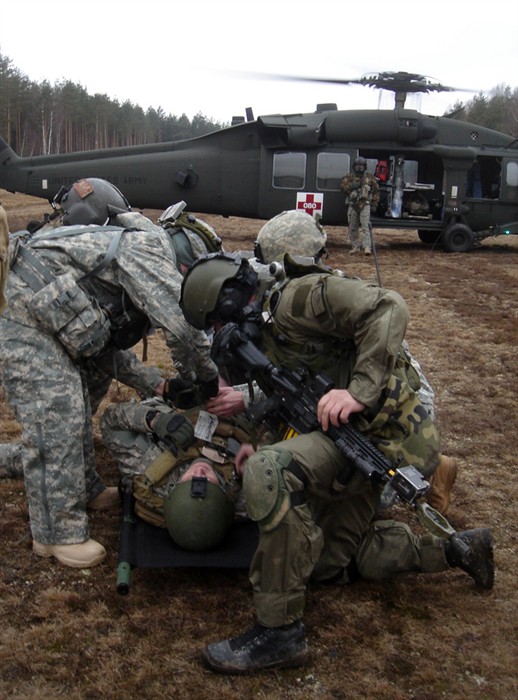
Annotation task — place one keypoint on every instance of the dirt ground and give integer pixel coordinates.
(68, 633)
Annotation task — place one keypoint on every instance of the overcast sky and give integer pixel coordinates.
(175, 55)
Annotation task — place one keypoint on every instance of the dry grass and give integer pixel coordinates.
(67, 633)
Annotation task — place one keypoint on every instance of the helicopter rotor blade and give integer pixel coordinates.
(394, 81)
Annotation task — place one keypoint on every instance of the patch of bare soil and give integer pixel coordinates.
(67, 633)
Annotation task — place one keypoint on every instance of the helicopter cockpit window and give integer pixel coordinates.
(331, 167)
(289, 170)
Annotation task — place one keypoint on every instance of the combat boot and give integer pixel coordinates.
(80, 556)
(257, 648)
(441, 484)
(472, 551)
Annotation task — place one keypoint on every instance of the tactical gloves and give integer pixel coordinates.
(185, 394)
(181, 393)
(209, 388)
(174, 431)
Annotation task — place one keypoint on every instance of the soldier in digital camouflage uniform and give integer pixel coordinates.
(60, 339)
(311, 525)
(362, 197)
(158, 448)
(4, 246)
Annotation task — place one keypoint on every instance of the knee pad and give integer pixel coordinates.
(267, 497)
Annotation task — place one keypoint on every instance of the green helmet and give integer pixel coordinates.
(293, 232)
(218, 285)
(198, 514)
(90, 201)
(191, 237)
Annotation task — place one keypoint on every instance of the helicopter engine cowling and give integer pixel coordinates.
(404, 126)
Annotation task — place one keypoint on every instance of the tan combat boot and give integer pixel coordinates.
(441, 484)
(106, 500)
(80, 556)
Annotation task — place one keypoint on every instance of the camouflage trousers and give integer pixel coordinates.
(359, 229)
(49, 397)
(330, 536)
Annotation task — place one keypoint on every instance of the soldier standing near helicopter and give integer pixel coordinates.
(362, 196)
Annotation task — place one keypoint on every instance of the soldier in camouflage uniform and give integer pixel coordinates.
(4, 245)
(362, 197)
(296, 233)
(78, 298)
(158, 448)
(310, 524)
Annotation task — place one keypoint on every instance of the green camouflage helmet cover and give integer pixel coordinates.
(293, 232)
(198, 522)
(202, 285)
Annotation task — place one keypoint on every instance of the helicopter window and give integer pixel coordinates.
(289, 170)
(511, 177)
(331, 167)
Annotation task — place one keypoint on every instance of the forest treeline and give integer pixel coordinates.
(42, 119)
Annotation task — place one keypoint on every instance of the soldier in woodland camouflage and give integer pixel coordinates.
(78, 298)
(362, 197)
(312, 524)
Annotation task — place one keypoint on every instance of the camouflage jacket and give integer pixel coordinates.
(360, 190)
(348, 329)
(141, 274)
(352, 332)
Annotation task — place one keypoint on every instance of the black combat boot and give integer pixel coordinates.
(472, 551)
(257, 648)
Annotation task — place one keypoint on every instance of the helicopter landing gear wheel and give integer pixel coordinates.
(457, 238)
(428, 237)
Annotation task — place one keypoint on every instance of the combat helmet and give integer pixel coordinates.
(198, 514)
(191, 237)
(90, 201)
(293, 232)
(218, 286)
(360, 165)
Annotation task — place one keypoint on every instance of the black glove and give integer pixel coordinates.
(181, 393)
(208, 388)
(174, 431)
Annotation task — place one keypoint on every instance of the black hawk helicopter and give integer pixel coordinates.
(454, 182)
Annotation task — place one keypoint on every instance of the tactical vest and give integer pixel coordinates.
(218, 451)
(66, 308)
(399, 425)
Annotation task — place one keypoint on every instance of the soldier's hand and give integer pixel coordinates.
(174, 431)
(245, 451)
(228, 402)
(336, 406)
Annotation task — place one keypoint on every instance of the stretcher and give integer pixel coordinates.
(146, 546)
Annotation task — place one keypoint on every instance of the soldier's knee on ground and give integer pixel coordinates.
(272, 481)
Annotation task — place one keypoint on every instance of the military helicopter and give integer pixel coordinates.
(453, 182)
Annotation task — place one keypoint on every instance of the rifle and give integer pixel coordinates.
(293, 400)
